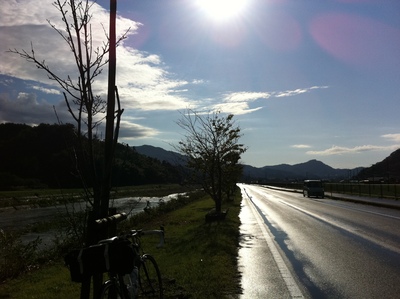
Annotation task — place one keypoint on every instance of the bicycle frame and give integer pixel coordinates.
(131, 290)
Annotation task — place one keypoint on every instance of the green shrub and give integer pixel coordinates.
(16, 257)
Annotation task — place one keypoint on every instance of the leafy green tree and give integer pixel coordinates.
(211, 143)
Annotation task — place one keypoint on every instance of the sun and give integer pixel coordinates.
(221, 10)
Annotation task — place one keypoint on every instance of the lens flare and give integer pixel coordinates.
(221, 10)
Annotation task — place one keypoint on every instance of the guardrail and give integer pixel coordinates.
(391, 191)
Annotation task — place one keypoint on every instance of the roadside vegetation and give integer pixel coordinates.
(199, 259)
(211, 145)
(17, 257)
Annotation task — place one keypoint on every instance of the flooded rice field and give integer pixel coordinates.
(18, 218)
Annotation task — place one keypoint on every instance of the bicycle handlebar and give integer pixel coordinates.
(133, 233)
(159, 232)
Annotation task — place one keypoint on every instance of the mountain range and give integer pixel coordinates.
(312, 169)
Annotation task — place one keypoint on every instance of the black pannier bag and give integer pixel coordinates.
(116, 256)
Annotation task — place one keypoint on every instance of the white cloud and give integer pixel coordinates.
(301, 146)
(238, 102)
(6, 82)
(131, 131)
(245, 96)
(235, 108)
(339, 150)
(289, 93)
(319, 87)
(392, 137)
(46, 90)
(198, 81)
(142, 81)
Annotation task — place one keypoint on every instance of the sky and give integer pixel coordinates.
(305, 79)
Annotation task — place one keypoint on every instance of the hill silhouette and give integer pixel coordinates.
(161, 154)
(387, 170)
(43, 156)
(312, 169)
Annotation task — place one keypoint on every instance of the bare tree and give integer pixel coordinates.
(85, 107)
(211, 145)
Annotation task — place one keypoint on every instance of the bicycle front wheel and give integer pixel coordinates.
(150, 278)
(111, 290)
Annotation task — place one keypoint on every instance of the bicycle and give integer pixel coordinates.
(132, 273)
(145, 279)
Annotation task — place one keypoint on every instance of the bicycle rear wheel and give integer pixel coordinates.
(150, 278)
(111, 290)
(115, 289)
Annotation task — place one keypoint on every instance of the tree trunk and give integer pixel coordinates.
(102, 198)
(218, 206)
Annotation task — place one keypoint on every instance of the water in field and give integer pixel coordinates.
(23, 217)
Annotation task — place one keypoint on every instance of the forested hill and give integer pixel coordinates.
(387, 170)
(43, 156)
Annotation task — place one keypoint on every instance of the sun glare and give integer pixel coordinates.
(221, 10)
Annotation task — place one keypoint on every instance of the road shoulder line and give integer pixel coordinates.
(290, 282)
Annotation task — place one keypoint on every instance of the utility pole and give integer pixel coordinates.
(109, 134)
(101, 211)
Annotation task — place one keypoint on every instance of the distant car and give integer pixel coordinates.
(313, 188)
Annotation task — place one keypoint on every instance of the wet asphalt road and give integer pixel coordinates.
(296, 247)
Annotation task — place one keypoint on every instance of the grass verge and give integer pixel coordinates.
(199, 260)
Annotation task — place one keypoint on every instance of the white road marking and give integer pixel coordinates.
(290, 282)
(365, 211)
(344, 227)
